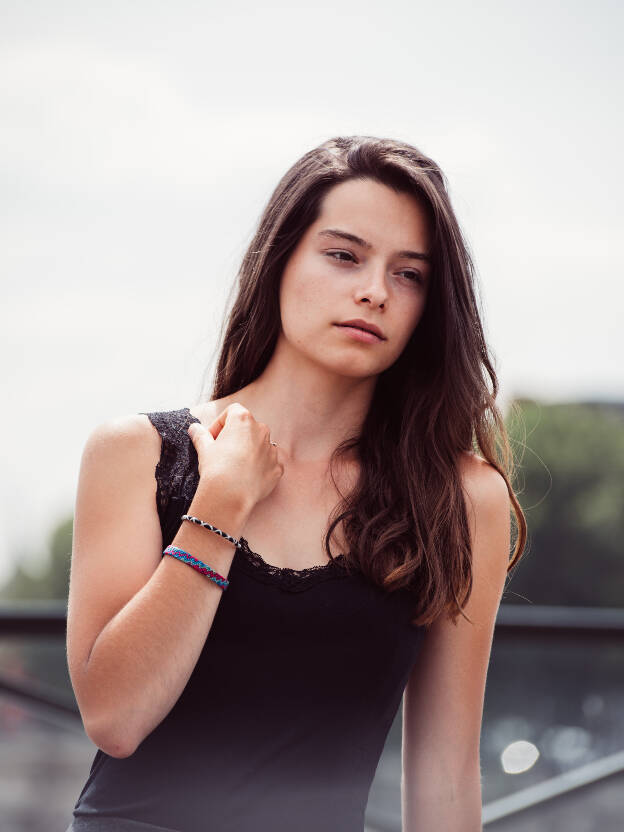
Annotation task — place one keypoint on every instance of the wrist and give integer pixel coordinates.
(214, 505)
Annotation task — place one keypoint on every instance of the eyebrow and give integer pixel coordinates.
(353, 238)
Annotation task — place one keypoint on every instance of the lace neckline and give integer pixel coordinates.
(293, 580)
(257, 558)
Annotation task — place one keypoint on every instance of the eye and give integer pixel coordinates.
(334, 253)
(416, 277)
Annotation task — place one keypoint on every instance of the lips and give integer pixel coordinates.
(361, 328)
(359, 323)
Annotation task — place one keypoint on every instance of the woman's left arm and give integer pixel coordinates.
(444, 695)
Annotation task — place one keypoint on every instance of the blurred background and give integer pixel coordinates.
(139, 143)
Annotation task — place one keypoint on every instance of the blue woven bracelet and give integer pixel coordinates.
(186, 557)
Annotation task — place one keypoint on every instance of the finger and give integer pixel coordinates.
(196, 429)
(219, 423)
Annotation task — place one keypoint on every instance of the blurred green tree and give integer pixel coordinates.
(570, 484)
(52, 580)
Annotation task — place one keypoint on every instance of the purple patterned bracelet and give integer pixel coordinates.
(185, 557)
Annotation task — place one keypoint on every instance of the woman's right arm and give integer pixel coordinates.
(137, 621)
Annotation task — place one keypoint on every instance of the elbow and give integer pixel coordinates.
(109, 741)
(110, 735)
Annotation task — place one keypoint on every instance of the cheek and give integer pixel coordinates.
(418, 309)
(414, 313)
(303, 296)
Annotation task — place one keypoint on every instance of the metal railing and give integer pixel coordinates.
(49, 618)
(43, 618)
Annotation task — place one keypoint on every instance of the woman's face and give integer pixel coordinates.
(379, 277)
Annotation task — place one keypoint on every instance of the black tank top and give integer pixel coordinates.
(284, 718)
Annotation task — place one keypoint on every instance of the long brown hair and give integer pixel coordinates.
(405, 522)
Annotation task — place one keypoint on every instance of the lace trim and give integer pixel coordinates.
(293, 580)
(176, 472)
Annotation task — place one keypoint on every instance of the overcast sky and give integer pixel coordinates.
(140, 141)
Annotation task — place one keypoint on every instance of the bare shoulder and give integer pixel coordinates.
(130, 430)
(126, 425)
(488, 508)
(484, 487)
(127, 442)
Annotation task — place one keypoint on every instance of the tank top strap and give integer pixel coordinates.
(176, 472)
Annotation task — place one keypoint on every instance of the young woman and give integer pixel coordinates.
(340, 511)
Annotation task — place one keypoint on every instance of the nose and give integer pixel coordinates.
(372, 285)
